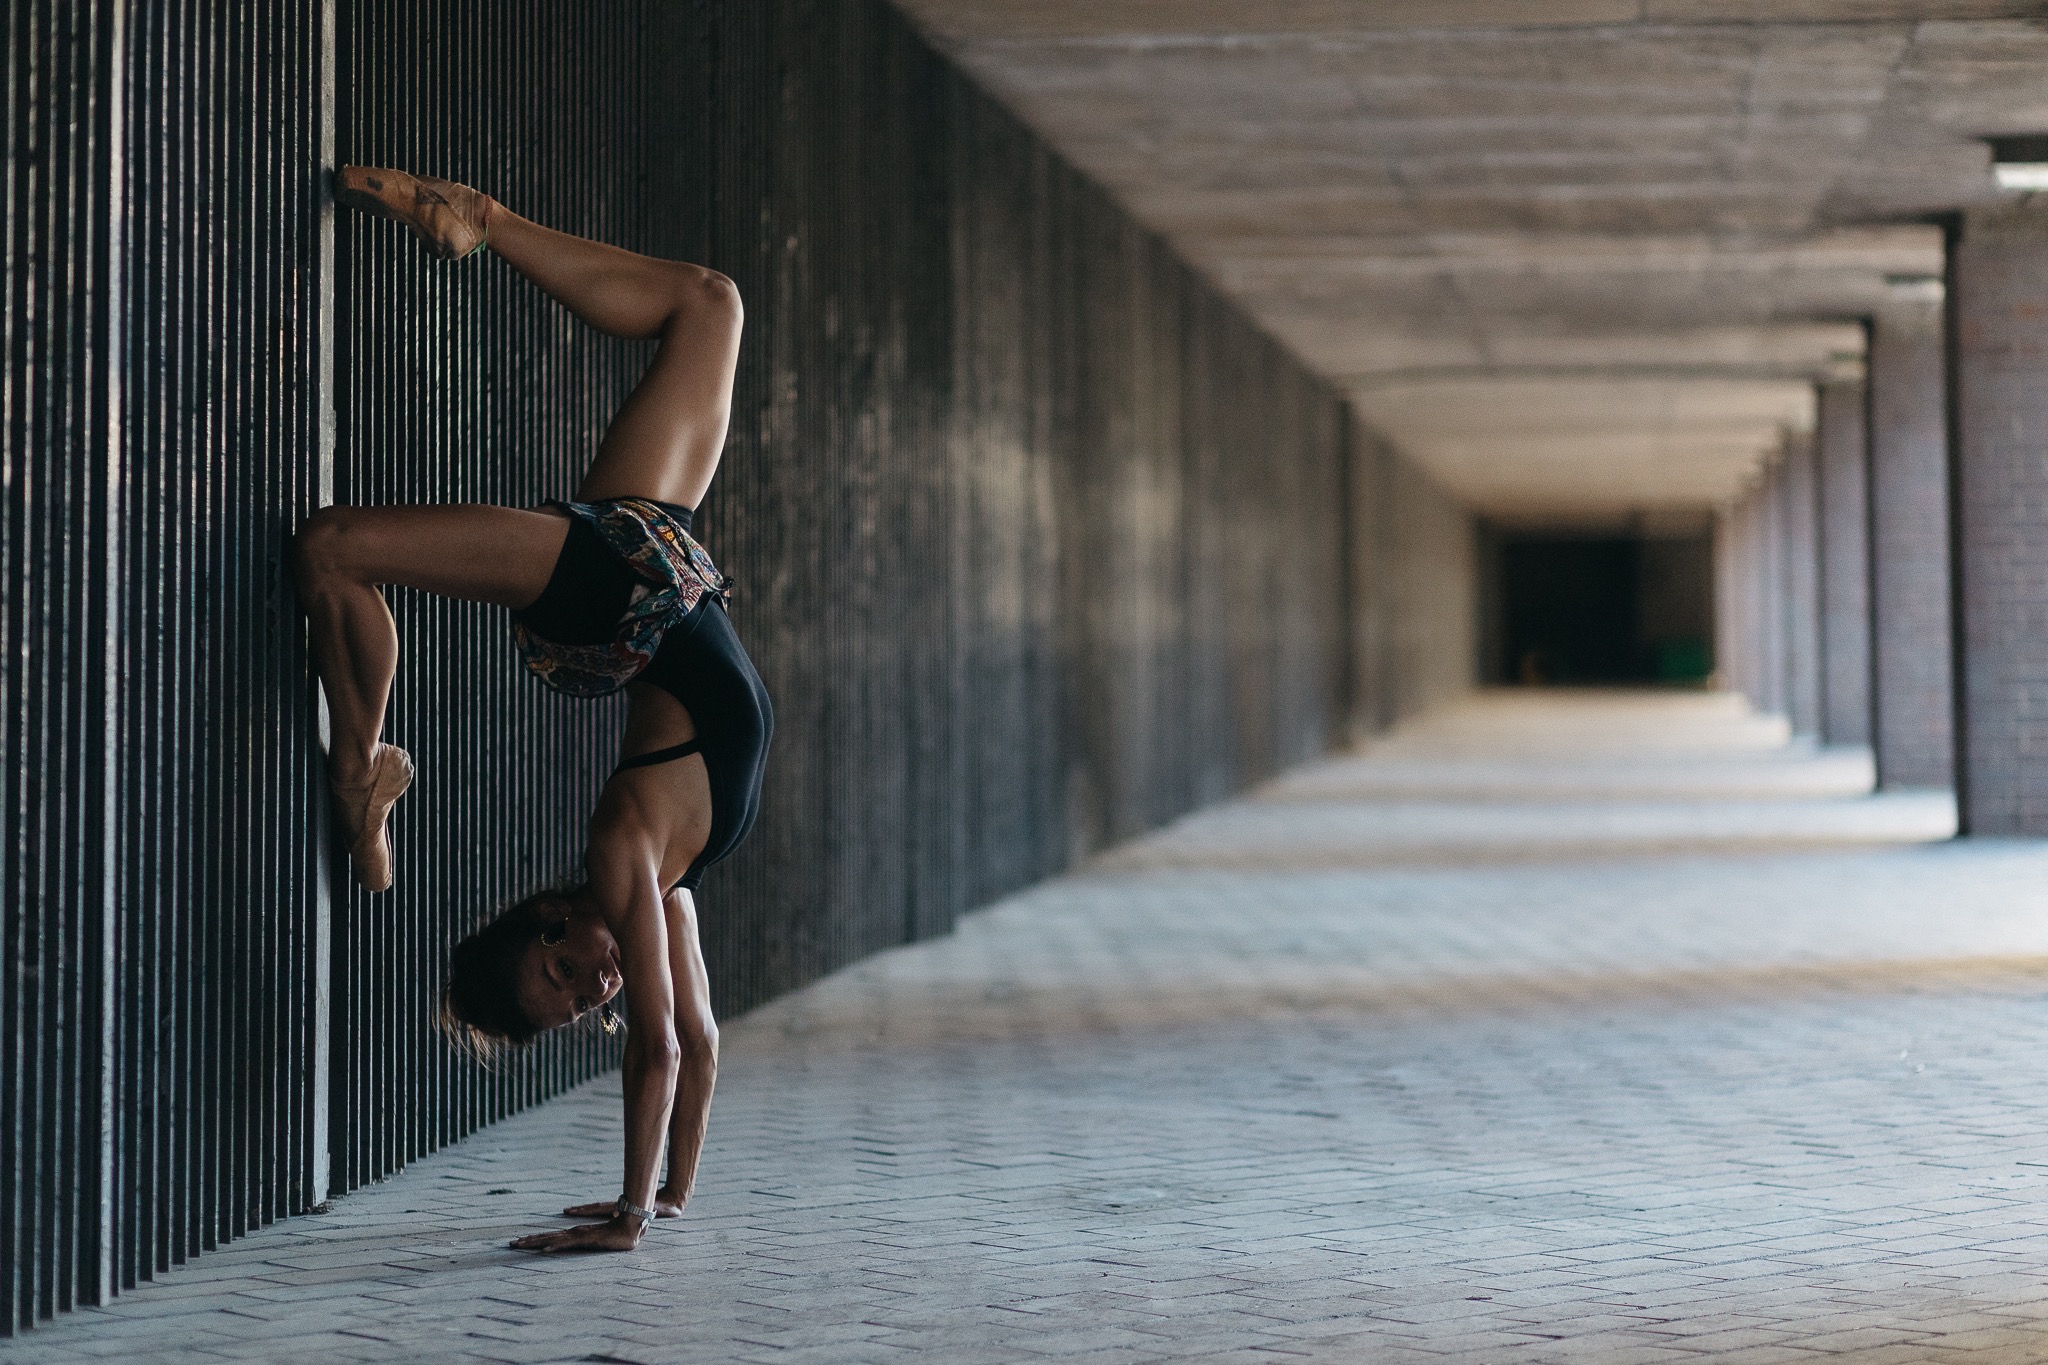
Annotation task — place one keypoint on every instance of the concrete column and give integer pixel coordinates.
(1844, 522)
(1912, 666)
(1751, 571)
(1729, 663)
(1772, 690)
(1998, 275)
(1798, 507)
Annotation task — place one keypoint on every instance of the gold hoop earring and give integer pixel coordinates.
(555, 935)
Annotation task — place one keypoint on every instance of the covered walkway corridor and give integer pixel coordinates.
(1451, 596)
(1612, 1028)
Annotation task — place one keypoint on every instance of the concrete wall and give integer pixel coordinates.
(1415, 592)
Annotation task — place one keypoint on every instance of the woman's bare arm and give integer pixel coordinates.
(670, 804)
(697, 1033)
(625, 878)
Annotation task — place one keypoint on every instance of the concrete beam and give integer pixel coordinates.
(1515, 446)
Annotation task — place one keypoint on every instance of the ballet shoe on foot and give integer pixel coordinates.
(451, 219)
(363, 810)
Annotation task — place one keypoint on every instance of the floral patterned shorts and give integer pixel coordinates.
(675, 576)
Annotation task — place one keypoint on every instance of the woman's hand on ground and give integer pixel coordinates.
(664, 1206)
(620, 1234)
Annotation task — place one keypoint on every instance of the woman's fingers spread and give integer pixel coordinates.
(588, 1237)
(537, 1241)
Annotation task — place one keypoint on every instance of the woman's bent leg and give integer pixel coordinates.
(665, 442)
(344, 555)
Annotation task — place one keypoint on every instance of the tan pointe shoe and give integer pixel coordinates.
(363, 809)
(451, 219)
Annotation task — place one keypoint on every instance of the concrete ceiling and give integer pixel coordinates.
(1575, 257)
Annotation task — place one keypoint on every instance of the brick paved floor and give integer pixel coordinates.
(1595, 1088)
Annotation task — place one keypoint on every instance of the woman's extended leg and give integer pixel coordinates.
(665, 442)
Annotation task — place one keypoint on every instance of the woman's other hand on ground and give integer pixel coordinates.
(665, 1205)
(620, 1234)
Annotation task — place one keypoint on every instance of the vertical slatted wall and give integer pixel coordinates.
(1037, 540)
(58, 593)
(212, 1116)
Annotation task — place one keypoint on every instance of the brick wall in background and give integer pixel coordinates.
(1798, 506)
(1998, 266)
(1912, 694)
(1843, 453)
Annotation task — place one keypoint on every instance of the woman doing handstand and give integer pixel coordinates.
(607, 591)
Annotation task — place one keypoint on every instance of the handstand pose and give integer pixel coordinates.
(607, 591)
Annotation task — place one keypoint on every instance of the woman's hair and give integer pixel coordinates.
(480, 1010)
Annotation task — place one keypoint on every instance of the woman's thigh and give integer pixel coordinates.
(666, 440)
(476, 551)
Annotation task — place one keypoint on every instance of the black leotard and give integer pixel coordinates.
(700, 663)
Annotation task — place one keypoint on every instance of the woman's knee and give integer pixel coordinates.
(704, 296)
(721, 294)
(324, 548)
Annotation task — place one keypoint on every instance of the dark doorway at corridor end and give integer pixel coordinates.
(1612, 608)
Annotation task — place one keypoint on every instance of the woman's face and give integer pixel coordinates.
(560, 983)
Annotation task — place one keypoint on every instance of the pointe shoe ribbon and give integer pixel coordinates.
(452, 219)
(363, 809)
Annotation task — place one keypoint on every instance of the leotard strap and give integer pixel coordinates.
(668, 755)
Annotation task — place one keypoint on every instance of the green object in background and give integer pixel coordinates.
(1684, 661)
